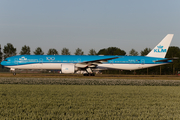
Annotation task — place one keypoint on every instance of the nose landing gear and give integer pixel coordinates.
(13, 71)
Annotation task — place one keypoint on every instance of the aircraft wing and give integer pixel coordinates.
(93, 63)
(165, 60)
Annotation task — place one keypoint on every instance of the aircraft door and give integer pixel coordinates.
(79, 60)
(142, 61)
(111, 61)
(142, 64)
(41, 63)
(16, 61)
(41, 60)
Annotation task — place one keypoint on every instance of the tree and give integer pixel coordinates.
(52, 52)
(103, 51)
(0, 54)
(111, 51)
(79, 52)
(173, 51)
(65, 51)
(38, 51)
(25, 50)
(92, 52)
(133, 52)
(9, 50)
(145, 51)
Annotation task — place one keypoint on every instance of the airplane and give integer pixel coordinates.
(89, 63)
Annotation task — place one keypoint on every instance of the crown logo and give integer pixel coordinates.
(159, 47)
(22, 58)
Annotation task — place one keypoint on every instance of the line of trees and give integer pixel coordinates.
(9, 50)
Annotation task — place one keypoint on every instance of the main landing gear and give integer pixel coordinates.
(89, 72)
(14, 73)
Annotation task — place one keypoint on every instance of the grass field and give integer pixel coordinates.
(89, 102)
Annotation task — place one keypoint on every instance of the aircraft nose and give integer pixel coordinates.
(3, 63)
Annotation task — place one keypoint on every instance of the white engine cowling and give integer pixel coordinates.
(67, 68)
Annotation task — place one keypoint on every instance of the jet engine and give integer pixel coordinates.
(67, 68)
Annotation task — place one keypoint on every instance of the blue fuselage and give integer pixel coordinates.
(48, 61)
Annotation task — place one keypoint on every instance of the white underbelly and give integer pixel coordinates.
(126, 66)
(38, 66)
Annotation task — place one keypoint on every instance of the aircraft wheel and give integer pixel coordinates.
(85, 74)
(89, 74)
(14, 73)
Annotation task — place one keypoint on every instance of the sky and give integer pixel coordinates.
(88, 24)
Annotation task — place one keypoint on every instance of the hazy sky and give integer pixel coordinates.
(88, 24)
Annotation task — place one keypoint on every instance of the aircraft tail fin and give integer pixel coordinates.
(161, 49)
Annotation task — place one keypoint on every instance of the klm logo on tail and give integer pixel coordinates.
(160, 49)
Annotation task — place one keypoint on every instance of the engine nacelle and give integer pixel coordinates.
(67, 68)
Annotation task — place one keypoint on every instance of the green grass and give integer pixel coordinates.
(89, 102)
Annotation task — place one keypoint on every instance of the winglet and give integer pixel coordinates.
(161, 49)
